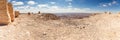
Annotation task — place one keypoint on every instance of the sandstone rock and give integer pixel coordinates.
(17, 13)
(39, 12)
(4, 14)
(29, 13)
(10, 9)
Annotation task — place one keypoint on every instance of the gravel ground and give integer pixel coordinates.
(29, 27)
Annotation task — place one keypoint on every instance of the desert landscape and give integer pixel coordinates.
(34, 27)
(15, 25)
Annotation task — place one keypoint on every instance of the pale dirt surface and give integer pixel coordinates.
(99, 27)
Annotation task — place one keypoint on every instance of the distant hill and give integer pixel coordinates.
(73, 15)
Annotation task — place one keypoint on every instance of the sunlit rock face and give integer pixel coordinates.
(17, 13)
(4, 14)
(10, 9)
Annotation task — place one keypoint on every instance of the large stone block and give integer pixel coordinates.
(11, 11)
(17, 13)
(4, 14)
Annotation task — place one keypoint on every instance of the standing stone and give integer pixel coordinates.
(17, 13)
(29, 13)
(39, 12)
(4, 14)
(11, 12)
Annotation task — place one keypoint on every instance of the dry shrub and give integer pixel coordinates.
(108, 12)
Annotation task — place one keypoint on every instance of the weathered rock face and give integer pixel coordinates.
(10, 9)
(17, 13)
(4, 14)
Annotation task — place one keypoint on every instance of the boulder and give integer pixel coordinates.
(29, 13)
(39, 12)
(11, 12)
(17, 13)
(4, 14)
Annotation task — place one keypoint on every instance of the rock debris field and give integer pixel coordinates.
(31, 27)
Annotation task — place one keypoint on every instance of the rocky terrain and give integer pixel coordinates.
(31, 27)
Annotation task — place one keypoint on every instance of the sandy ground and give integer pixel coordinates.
(99, 27)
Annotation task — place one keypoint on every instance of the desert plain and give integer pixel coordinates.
(34, 27)
(48, 26)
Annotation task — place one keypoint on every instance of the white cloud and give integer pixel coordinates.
(54, 7)
(69, 6)
(104, 5)
(114, 2)
(43, 5)
(22, 7)
(9, 0)
(31, 2)
(68, 10)
(17, 3)
(25, 9)
(108, 4)
(70, 3)
(52, 2)
(69, 0)
(51, 9)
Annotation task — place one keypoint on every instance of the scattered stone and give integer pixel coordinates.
(83, 27)
(44, 33)
(107, 12)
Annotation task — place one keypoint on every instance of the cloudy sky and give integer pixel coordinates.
(61, 6)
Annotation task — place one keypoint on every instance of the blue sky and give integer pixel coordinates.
(57, 6)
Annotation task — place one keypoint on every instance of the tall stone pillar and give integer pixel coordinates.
(4, 14)
(11, 11)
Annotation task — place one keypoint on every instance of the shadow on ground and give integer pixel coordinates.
(2, 25)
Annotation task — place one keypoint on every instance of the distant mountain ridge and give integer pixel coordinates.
(73, 15)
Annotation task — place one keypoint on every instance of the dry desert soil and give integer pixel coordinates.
(30, 27)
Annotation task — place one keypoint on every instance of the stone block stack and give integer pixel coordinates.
(4, 14)
(17, 13)
(11, 11)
